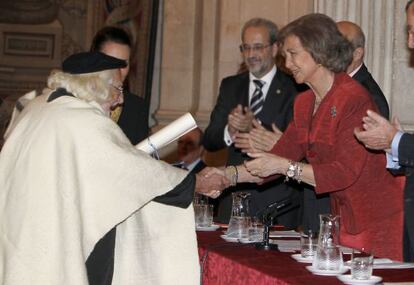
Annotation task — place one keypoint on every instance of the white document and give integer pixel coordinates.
(168, 134)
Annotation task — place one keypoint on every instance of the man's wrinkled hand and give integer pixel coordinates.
(377, 132)
(240, 120)
(211, 182)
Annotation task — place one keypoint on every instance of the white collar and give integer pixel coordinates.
(355, 70)
(193, 164)
(267, 78)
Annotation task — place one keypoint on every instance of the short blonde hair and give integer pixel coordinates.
(94, 86)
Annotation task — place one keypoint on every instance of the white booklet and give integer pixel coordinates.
(168, 134)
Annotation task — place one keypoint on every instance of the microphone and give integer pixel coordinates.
(267, 214)
(273, 210)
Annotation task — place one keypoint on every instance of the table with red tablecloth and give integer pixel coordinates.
(226, 263)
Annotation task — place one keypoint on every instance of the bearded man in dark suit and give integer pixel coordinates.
(262, 94)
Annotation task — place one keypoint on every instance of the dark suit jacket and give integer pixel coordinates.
(406, 159)
(278, 107)
(199, 166)
(364, 77)
(134, 118)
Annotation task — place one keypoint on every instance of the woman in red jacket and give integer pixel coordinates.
(366, 196)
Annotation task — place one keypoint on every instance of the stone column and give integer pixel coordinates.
(180, 60)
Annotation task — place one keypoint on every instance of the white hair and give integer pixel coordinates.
(89, 86)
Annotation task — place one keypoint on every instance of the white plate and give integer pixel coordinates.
(298, 257)
(327, 272)
(347, 279)
(229, 239)
(207, 229)
(247, 240)
(283, 234)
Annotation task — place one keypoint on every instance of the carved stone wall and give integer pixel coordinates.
(36, 42)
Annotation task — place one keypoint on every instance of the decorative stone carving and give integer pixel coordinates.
(27, 11)
(26, 46)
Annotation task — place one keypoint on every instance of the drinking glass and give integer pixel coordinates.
(255, 230)
(361, 265)
(308, 243)
(203, 215)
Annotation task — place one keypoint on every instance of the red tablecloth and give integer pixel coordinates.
(233, 263)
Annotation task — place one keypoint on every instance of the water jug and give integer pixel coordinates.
(328, 253)
(240, 216)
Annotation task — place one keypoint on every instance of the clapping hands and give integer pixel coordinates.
(377, 132)
(240, 120)
(258, 139)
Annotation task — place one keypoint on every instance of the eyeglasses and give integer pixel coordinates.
(256, 47)
(119, 88)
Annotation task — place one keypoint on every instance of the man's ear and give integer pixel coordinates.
(275, 49)
(358, 54)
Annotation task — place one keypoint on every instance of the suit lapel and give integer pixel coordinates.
(243, 91)
(273, 98)
(362, 74)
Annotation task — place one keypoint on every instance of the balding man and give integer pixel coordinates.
(380, 134)
(357, 68)
(190, 151)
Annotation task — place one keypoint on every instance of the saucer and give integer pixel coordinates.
(247, 240)
(298, 257)
(207, 229)
(347, 279)
(229, 239)
(327, 272)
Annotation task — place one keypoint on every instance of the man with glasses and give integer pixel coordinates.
(262, 94)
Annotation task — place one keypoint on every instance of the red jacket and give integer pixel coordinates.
(363, 192)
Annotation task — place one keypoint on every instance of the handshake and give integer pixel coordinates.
(212, 181)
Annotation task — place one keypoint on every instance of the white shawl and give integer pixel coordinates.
(67, 176)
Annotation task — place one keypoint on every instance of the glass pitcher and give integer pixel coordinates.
(328, 254)
(240, 216)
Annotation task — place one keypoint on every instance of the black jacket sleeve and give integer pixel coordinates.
(182, 194)
(406, 150)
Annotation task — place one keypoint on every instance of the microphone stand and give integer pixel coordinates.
(268, 213)
(265, 244)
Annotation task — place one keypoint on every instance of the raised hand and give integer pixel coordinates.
(258, 139)
(377, 132)
(262, 139)
(239, 120)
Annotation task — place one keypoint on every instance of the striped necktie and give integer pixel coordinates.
(256, 103)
